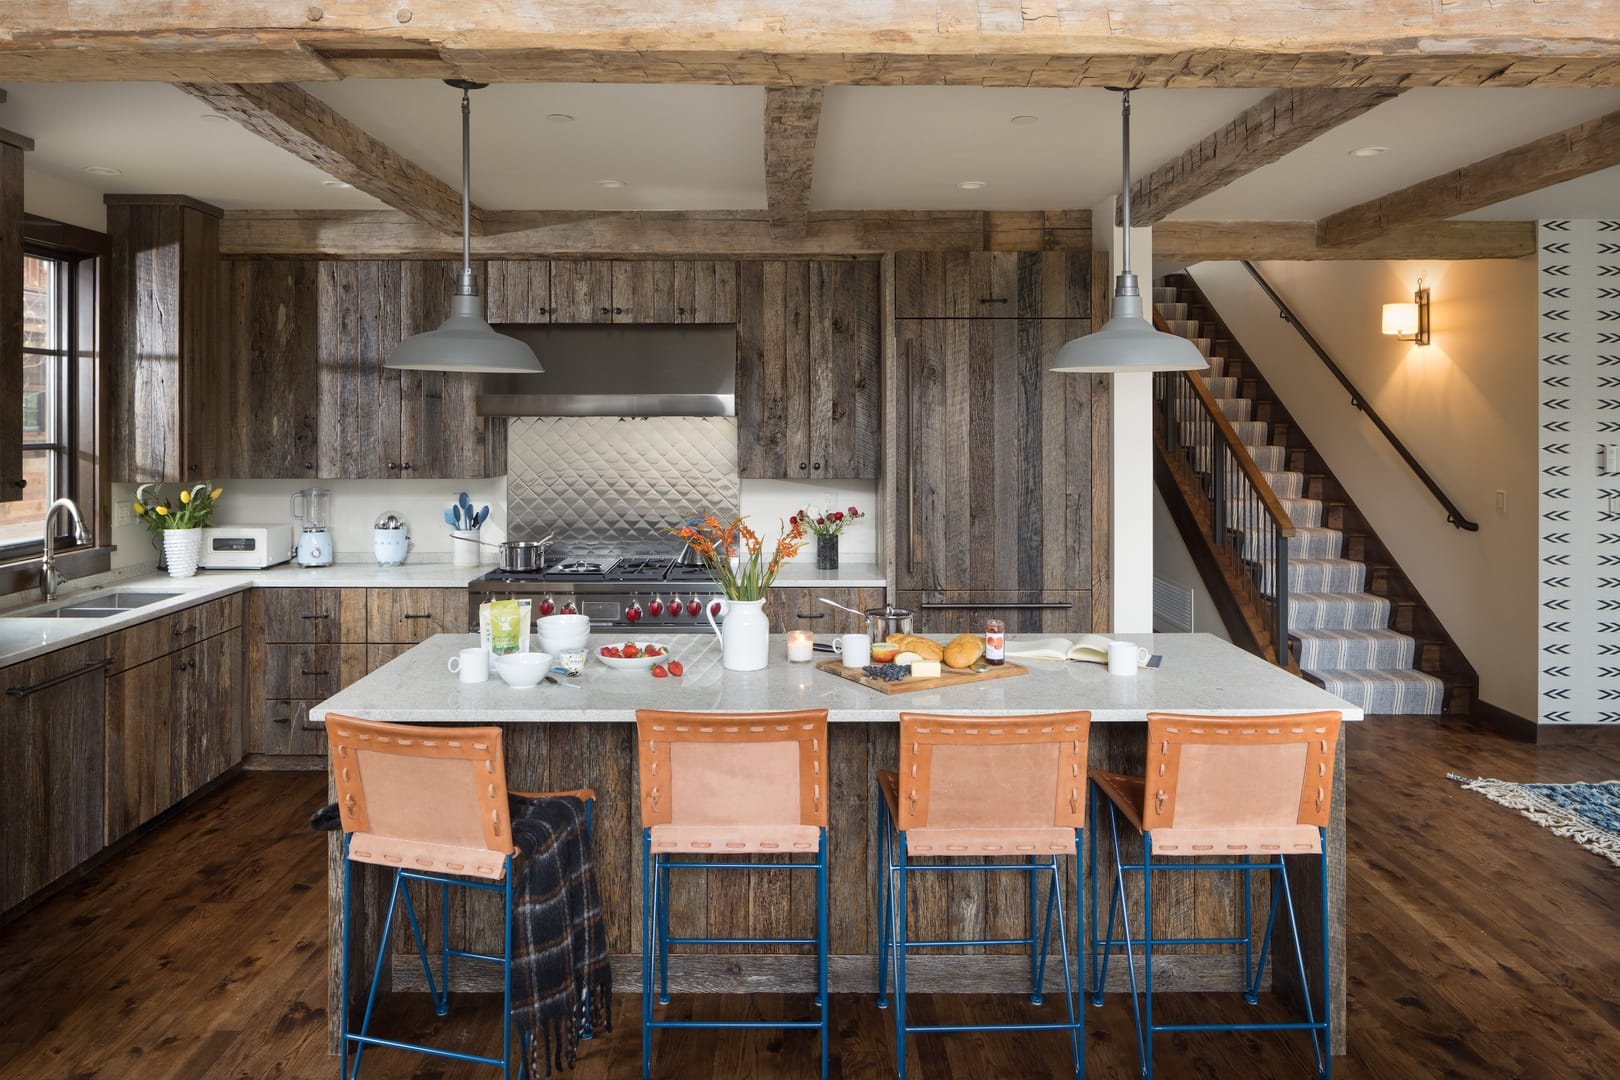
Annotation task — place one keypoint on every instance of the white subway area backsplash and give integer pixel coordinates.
(356, 505)
(766, 502)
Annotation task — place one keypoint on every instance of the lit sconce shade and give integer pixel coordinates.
(1409, 321)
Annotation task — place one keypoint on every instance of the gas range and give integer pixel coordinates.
(618, 592)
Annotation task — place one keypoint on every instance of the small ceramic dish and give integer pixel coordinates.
(635, 663)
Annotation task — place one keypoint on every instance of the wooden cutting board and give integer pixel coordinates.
(947, 677)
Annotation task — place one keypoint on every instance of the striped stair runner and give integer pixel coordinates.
(1339, 630)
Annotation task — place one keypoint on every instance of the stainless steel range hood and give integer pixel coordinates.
(619, 371)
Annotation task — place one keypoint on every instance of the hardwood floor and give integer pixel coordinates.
(1480, 946)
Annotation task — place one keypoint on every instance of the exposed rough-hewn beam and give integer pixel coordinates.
(304, 125)
(695, 233)
(1552, 159)
(792, 116)
(1051, 43)
(1198, 241)
(1281, 123)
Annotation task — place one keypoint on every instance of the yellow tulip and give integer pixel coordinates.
(140, 511)
(185, 497)
(216, 493)
(162, 511)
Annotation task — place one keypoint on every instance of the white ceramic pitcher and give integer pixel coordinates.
(744, 633)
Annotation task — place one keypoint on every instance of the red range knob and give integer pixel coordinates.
(655, 608)
(547, 607)
(569, 609)
(633, 612)
(714, 608)
(693, 607)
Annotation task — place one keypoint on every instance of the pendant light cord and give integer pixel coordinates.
(467, 286)
(1125, 283)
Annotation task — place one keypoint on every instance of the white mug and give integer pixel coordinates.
(856, 649)
(472, 664)
(1124, 658)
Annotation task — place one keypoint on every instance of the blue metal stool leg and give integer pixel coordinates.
(506, 978)
(1037, 957)
(663, 930)
(899, 942)
(647, 946)
(343, 966)
(823, 999)
(1147, 950)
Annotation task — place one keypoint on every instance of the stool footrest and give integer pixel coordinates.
(795, 1025)
(417, 1048)
(1299, 1025)
(975, 941)
(1076, 1026)
(738, 941)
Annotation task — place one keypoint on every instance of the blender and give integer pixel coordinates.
(313, 507)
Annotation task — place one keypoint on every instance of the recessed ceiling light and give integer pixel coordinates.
(610, 183)
(559, 118)
(213, 116)
(970, 185)
(1369, 151)
(1025, 120)
(103, 170)
(336, 184)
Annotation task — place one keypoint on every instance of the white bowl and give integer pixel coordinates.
(523, 669)
(561, 633)
(642, 662)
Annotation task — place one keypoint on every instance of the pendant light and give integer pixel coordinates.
(465, 342)
(1127, 342)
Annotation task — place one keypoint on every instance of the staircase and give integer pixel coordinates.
(1356, 626)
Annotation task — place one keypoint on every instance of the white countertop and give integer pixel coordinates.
(1200, 673)
(23, 636)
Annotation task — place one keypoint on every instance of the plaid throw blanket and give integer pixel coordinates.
(561, 982)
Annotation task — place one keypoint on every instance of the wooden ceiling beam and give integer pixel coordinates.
(1564, 155)
(792, 116)
(1282, 122)
(665, 234)
(307, 127)
(1203, 241)
(1146, 43)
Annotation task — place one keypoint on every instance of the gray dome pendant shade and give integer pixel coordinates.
(465, 342)
(1127, 342)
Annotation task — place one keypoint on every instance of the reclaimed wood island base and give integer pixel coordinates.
(568, 737)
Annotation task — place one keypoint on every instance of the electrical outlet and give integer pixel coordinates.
(829, 500)
(123, 513)
(1501, 501)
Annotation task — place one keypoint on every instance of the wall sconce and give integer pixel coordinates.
(1409, 322)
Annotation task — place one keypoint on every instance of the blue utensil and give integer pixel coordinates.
(478, 518)
(451, 518)
(466, 508)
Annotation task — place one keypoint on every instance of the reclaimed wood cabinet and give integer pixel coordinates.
(173, 714)
(992, 285)
(800, 609)
(314, 642)
(51, 775)
(808, 375)
(625, 291)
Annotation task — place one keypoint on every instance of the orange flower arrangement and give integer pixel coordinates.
(735, 554)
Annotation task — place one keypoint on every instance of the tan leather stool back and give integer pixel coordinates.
(1230, 785)
(733, 781)
(425, 798)
(1005, 785)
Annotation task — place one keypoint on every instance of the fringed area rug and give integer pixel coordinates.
(1589, 814)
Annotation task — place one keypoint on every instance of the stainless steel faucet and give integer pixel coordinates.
(49, 576)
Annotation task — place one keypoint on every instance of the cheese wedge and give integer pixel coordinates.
(907, 659)
(925, 669)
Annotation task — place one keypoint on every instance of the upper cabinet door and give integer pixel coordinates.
(581, 291)
(519, 291)
(440, 433)
(643, 292)
(845, 407)
(773, 365)
(992, 285)
(274, 334)
(705, 291)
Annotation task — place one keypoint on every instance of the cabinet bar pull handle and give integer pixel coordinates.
(812, 614)
(25, 691)
(322, 615)
(994, 300)
(315, 674)
(995, 607)
(303, 720)
(426, 616)
(182, 631)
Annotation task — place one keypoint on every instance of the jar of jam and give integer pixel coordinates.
(995, 639)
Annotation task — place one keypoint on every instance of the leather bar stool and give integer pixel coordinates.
(971, 789)
(1220, 793)
(429, 803)
(716, 787)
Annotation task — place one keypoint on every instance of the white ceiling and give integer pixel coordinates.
(701, 147)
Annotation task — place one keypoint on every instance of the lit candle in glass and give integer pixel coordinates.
(801, 645)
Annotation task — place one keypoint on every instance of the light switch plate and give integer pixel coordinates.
(123, 513)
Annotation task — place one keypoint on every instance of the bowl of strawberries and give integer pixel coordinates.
(633, 655)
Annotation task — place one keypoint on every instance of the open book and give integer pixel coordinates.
(1090, 648)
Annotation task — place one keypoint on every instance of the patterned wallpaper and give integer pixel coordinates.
(1578, 386)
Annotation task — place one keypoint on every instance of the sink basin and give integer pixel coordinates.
(105, 606)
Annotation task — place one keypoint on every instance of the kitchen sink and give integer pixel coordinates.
(104, 607)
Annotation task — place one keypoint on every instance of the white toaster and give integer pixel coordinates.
(245, 547)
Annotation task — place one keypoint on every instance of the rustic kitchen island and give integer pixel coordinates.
(582, 734)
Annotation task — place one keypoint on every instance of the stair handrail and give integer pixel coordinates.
(1259, 488)
(1454, 516)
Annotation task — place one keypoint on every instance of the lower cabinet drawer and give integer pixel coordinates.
(1024, 612)
(294, 672)
(287, 729)
(157, 637)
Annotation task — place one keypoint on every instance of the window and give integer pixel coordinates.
(53, 325)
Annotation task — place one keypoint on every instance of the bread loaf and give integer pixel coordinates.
(963, 651)
(923, 647)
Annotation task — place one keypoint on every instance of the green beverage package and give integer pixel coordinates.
(505, 627)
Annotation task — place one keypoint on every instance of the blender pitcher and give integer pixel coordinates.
(312, 507)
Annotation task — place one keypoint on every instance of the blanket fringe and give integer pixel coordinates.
(1558, 820)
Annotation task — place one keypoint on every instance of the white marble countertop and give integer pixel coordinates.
(1199, 673)
(849, 575)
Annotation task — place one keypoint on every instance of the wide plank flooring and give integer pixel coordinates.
(1479, 946)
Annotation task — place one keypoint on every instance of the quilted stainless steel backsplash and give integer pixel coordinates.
(617, 483)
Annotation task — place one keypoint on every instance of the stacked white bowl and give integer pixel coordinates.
(563, 633)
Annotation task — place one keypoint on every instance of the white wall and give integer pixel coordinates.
(767, 502)
(63, 200)
(1465, 406)
(1173, 563)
